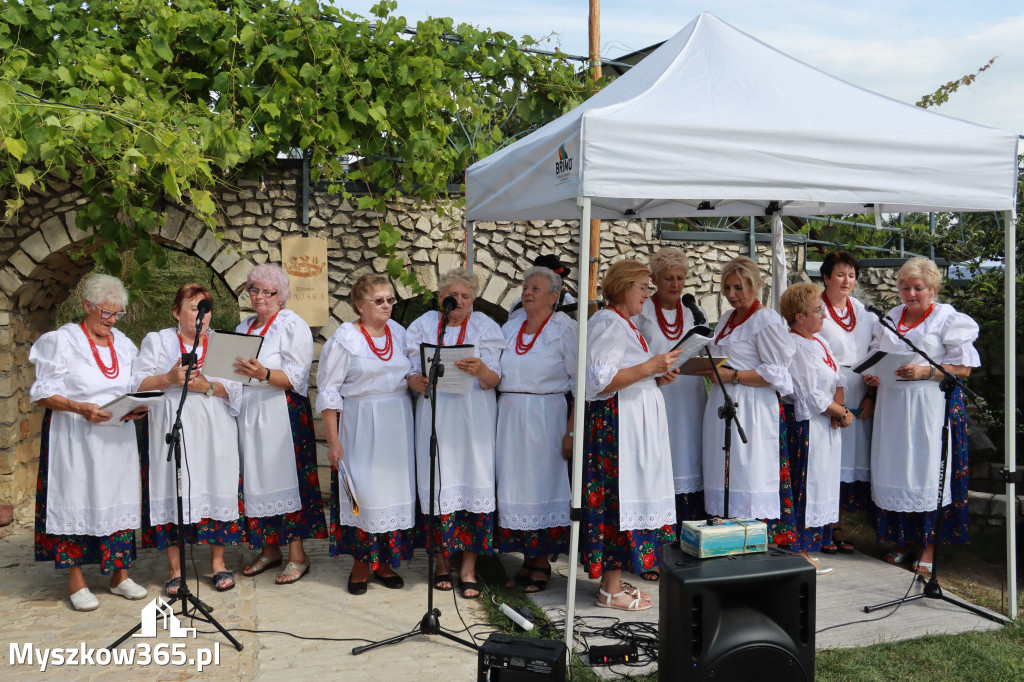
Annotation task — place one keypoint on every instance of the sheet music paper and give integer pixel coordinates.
(454, 379)
(884, 365)
(224, 347)
(348, 486)
(128, 403)
(692, 343)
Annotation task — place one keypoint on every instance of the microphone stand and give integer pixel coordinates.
(430, 623)
(173, 440)
(726, 411)
(932, 589)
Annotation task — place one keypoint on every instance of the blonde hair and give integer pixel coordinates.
(796, 298)
(920, 266)
(745, 269)
(620, 277)
(456, 276)
(669, 257)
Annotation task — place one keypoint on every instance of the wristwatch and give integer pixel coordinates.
(735, 377)
(209, 389)
(266, 379)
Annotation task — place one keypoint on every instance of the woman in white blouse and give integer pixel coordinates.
(906, 447)
(849, 329)
(209, 444)
(538, 367)
(815, 412)
(464, 499)
(87, 500)
(760, 350)
(663, 322)
(367, 413)
(628, 496)
(280, 484)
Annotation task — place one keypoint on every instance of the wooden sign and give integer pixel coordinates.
(305, 261)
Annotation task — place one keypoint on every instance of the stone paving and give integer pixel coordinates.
(35, 610)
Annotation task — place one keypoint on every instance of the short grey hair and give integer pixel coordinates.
(457, 276)
(271, 274)
(99, 289)
(554, 281)
(669, 257)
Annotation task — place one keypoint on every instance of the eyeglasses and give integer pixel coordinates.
(820, 310)
(380, 302)
(650, 289)
(254, 292)
(107, 314)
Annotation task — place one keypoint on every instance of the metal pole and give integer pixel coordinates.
(469, 245)
(931, 231)
(752, 241)
(594, 26)
(578, 428)
(1010, 407)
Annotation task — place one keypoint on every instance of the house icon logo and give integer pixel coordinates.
(159, 609)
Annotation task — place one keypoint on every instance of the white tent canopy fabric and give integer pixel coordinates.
(716, 123)
(716, 116)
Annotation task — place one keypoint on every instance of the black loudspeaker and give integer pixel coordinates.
(735, 618)
(507, 658)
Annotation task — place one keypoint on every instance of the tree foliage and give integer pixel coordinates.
(149, 101)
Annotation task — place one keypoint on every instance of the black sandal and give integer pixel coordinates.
(469, 585)
(538, 585)
(443, 578)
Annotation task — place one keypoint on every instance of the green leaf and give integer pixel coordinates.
(15, 147)
(162, 48)
(15, 14)
(25, 178)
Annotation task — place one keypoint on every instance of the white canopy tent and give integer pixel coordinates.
(716, 123)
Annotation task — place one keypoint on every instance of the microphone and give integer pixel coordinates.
(876, 310)
(449, 304)
(202, 310)
(691, 303)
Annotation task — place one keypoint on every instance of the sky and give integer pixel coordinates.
(904, 49)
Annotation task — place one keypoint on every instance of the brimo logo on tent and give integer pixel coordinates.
(164, 653)
(563, 166)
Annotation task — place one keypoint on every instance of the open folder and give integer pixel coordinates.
(128, 403)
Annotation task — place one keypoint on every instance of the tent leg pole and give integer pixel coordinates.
(469, 245)
(579, 405)
(1010, 425)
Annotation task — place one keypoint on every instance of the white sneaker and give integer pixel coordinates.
(84, 600)
(129, 589)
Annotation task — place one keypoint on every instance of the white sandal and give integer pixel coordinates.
(634, 605)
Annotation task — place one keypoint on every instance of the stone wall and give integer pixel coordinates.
(42, 258)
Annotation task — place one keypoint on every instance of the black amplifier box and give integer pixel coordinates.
(507, 658)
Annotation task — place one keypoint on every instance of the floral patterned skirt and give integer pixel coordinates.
(376, 549)
(855, 495)
(807, 539)
(782, 531)
(111, 552)
(308, 521)
(905, 528)
(534, 543)
(460, 531)
(603, 546)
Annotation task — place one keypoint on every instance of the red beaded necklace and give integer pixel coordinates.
(847, 321)
(643, 344)
(729, 326)
(388, 349)
(263, 332)
(671, 331)
(108, 372)
(524, 348)
(462, 330)
(206, 344)
(903, 328)
(828, 358)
